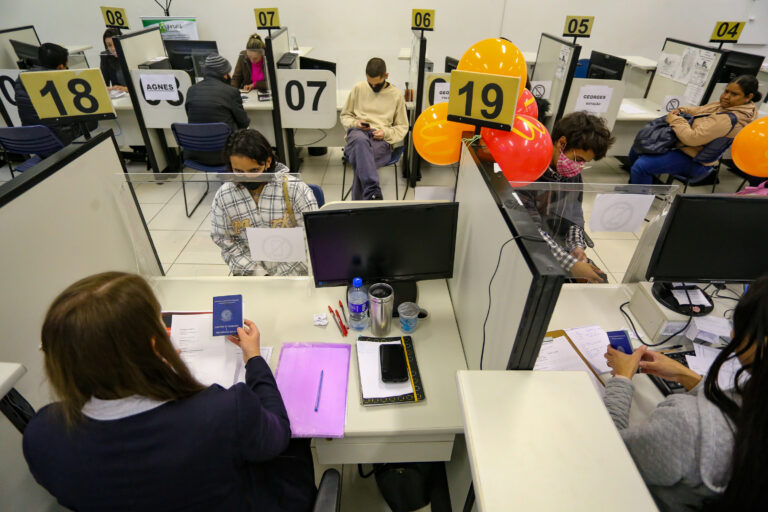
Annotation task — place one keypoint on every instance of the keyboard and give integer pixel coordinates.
(668, 387)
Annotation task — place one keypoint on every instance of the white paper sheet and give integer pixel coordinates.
(558, 354)
(631, 109)
(594, 98)
(276, 244)
(433, 193)
(369, 363)
(541, 88)
(592, 342)
(562, 62)
(687, 63)
(619, 212)
(672, 102)
(266, 353)
(686, 297)
(442, 92)
(693, 94)
(159, 87)
(205, 355)
(714, 324)
(667, 65)
(703, 360)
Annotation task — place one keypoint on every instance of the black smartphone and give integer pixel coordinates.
(365, 125)
(393, 367)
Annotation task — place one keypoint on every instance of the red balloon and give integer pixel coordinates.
(526, 104)
(523, 153)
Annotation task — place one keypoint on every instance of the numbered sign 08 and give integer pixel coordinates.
(482, 99)
(59, 94)
(727, 31)
(114, 17)
(307, 98)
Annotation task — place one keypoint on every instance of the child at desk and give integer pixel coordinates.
(133, 430)
(278, 203)
(706, 447)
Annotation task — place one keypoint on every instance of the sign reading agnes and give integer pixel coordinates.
(159, 87)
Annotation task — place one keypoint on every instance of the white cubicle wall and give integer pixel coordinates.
(597, 96)
(9, 114)
(278, 44)
(62, 220)
(685, 70)
(556, 61)
(24, 34)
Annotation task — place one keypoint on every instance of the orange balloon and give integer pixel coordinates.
(526, 104)
(438, 140)
(750, 148)
(496, 56)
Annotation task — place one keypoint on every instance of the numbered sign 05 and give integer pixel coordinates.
(267, 18)
(578, 26)
(727, 31)
(307, 98)
(59, 94)
(482, 99)
(114, 17)
(423, 19)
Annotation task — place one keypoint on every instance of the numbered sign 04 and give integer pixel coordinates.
(727, 31)
(67, 94)
(307, 98)
(483, 99)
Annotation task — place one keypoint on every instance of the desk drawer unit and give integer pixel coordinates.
(367, 450)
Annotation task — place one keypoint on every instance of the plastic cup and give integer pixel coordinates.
(409, 316)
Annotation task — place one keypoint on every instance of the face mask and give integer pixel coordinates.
(378, 87)
(568, 168)
(252, 185)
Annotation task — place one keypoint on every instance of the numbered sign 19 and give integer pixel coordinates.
(423, 19)
(727, 31)
(482, 99)
(307, 98)
(114, 17)
(578, 26)
(267, 18)
(59, 94)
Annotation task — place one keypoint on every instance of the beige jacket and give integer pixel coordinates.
(384, 110)
(693, 137)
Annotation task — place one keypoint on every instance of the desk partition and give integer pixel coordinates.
(686, 71)
(597, 96)
(556, 62)
(9, 113)
(26, 34)
(278, 44)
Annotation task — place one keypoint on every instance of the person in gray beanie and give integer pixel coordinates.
(214, 100)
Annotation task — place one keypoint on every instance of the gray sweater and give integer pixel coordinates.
(683, 450)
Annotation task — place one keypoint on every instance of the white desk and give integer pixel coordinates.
(10, 373)
(282, 308)
(637, 61)
(633, 114)
(544, 441)
(77, 59)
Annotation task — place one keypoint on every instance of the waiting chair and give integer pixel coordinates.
(200, 137)
(35, 140)
(685, 180)
(328, 492)
(319, 195)
(394, 159)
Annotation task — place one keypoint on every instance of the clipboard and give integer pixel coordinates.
(561, 333)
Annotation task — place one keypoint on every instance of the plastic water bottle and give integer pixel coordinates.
(357, 301)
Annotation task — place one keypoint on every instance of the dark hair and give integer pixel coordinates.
(109, 33)
(584, 131)
(51, 55)
(749, 467)
(103, 337)
(749, 84)
(376, 67)
(250, 144)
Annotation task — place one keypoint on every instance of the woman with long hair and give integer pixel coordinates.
(707, 447)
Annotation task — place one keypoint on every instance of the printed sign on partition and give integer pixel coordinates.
(68, 93)
(436, 88)
(161, 113)
(307, 98)
(672, 102)
(541, 89)
(8, 95)
(159, 87)
(594, 99)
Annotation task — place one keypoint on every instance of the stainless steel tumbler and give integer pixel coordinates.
(381, 298)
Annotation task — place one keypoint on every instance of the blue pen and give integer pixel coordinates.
(319, 389)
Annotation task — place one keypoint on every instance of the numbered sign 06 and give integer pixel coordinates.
(483, 99)
(59, 94)
(423, 19)
(307, 98)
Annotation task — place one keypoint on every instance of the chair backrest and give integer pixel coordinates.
(319, 195)
(30, 140)
(201, 136)
(397, 153)
(582, 67)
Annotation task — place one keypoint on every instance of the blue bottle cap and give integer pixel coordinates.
(357, 282)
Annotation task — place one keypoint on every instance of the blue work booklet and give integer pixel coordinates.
(227, 314)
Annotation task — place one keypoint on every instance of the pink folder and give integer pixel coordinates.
(298, 379)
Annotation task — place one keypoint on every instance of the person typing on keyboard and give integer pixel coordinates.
(704, 447)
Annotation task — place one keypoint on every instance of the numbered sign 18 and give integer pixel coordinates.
(267, 18)
(423, 19)
(483, 99)
(307, 98)
(578, 26)
(57, 94)
(114, 17)
(727, 31)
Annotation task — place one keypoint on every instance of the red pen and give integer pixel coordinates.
(343, 312)
(335, 321)
(343, 327)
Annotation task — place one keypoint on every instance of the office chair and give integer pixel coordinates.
(200, 137)
(36, 140)
(685, 180)
(394, 159)
(328, 492)
(319, 195)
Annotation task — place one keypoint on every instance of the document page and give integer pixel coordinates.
(558, 354)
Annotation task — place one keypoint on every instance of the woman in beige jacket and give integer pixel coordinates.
(712, 130)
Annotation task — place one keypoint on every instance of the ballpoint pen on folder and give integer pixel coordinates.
(346, 320)
(319, 389)
(335, 321)
(343, 327)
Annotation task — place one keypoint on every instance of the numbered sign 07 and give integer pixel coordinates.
(114, 17)
(307, 98)
(267, 18)
(60, 94)
(483, 99)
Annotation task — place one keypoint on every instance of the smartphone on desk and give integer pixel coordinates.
(365, 125)
(393, 366)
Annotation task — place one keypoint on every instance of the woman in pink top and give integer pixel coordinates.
(249, 70)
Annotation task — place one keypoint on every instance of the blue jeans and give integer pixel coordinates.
(645, 167)
(366, 155)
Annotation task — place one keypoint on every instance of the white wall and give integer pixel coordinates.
(351, 32)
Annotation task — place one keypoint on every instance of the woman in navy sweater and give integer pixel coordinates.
(133, 430)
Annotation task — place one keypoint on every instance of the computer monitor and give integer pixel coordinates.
(182, 54)
(26, 53)
(608, 67)
(736, 64)
(308, 63)
(451, 64)
(398, 244)
(708, 239)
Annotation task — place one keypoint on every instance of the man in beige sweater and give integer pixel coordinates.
(375, 119)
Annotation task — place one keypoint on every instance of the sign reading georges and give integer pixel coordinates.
(159, 87)
(594, 98)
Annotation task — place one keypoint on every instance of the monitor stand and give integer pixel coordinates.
(405, 291)
(662, 292)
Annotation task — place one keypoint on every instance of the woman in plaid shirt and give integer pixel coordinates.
(279, 203)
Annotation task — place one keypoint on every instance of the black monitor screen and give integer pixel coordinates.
(397, 243)
(712, 238)
(307, 63)
(451, 64)
(602, 65)
(181, 53)
(25, 52)
(737, 64)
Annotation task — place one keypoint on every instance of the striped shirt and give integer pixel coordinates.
(234, 209)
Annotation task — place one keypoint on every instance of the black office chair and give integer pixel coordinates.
(328, 492)
(714, 173)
